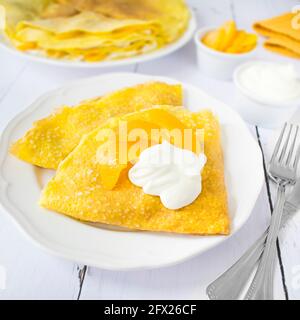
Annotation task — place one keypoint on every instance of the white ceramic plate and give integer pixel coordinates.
(186, 37)
(21, 183)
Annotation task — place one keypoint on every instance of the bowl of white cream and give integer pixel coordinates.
(267, 93)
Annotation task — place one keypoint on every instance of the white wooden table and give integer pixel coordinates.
(33, 274)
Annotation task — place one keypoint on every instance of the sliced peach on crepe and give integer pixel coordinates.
(129, 136)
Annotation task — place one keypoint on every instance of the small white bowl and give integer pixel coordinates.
(257, 111)
(217, 64)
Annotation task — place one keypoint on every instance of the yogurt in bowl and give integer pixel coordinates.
(267, 93)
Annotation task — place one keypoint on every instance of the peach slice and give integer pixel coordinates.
(230, 32)
(237, 43)
(115, 154)
(243, 42)
(230, 40)
(213, 39)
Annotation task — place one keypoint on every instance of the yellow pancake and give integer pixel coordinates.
(87, 21)
(77, 189)
(21, 10)
(65, 29)
(86, 30)
(53, 138)
(82, 43)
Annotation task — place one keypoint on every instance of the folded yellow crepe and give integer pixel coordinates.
(94, 30)
(53, 138)
(78, 189)
(282, 35)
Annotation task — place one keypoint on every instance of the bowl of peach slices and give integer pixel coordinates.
(221, 50)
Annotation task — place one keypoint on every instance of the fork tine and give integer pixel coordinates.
(277, 147)
(284, 148)
(289, 158)
(296, 162)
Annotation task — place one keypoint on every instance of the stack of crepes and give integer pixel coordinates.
(93, 30)
(283, 34)
(92, 185)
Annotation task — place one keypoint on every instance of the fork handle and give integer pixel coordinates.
(261, 287)
(229, 285)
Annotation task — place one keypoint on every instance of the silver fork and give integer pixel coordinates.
(283, 171)
(230, 284)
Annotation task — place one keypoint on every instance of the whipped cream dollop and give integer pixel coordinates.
(172, 173)
(270, 81)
